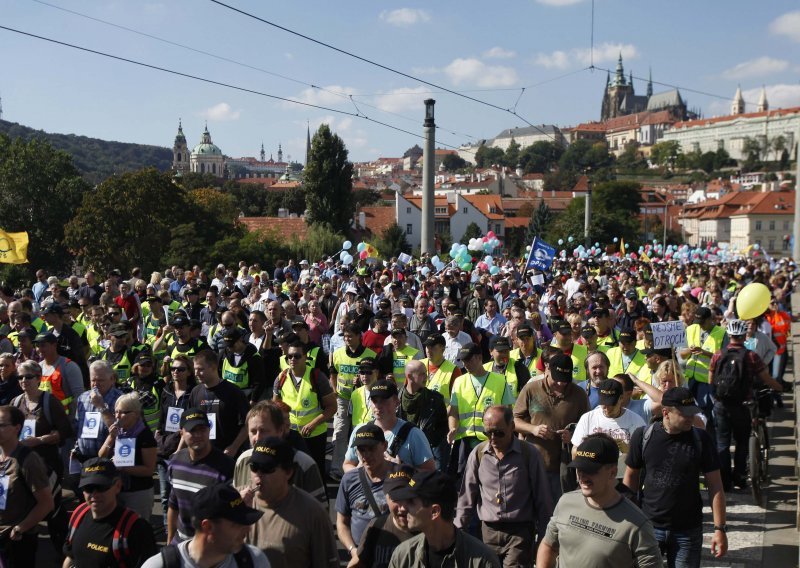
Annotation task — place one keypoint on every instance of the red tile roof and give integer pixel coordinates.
(514, 222)
(378, 218)
(266, 182)
(278, 226)
(769, 203)
(630, 121)
(484, 203)
(709, 121)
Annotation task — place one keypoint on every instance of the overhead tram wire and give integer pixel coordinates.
(218, 83)
(344, 96)
(380, 65)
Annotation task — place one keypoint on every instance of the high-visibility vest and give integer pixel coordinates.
(607, 342)
(781, 326)
(579, 353)
(359, 402)
(122, 367)
(510, 374)
(645, 375)
(311, 356)
(346, 370)
(237, 375)
(52, 383)
(190, 353)
(617, 365)
(303, 402)
(471, 406)
(697, 365)
(80, 329)
(399, 361)
(39, 325)
(440, 380)
(151, 414)
(517, 355)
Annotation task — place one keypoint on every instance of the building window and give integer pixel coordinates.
(758, 225)
(408, 210)
(466, 210)
(440, 210)
(786, 225)
(771, 245)
(179, 156)
(202, 168)
(772, 226)
(497, 229)
(409, 229)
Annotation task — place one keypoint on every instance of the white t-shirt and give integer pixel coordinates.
(620, 428)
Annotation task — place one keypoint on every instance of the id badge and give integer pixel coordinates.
(173, 419)
(91, 425)
(125, 452)
(28, 429)
(212, 425)
(3, 492)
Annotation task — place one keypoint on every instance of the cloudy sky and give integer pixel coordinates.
(527, 56)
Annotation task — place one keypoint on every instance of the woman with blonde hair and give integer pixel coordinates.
(668, 375)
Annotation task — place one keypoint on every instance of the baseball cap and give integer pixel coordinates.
(563, 327)
(231, 335)
(179, 321)
(499, 343)
(299, 324)
(627, 335)
(351, 289)
(631, 295)
(367, 364)
(665, 352)
(193, 292)
(434, 339)
(524, 330)
(429, 485)
(118, 330)
(594, 453)
(53, 308)
(369, 434)
(610, 391)
(588, 331)
(682, 399)
(193, 417)
(561, 368)
(468, 350)
(272, 452)
(288, 337)
(222, 501)
(98, 471)
(151, 299)
(383, 388)
(600, 312)
(45, 337)
(397, 479)
(702, 314)
(398, 331)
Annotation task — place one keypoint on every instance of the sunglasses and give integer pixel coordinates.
(95, 488)
(292, 356)
(178, 369)
(28, 377)
(264, 469)
(495, 434)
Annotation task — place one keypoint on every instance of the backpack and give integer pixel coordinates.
(697, 442)
(119, 542)
(314, 380)
(731, 383)
(45, 405)
(171, 557)
(482, 446)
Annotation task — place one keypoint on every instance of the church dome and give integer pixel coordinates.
(206, 147)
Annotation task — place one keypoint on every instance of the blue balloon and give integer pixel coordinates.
(570, 239)
(346, 245)
(361, 246)
(425, 270)
(560, 242)
(616, 239)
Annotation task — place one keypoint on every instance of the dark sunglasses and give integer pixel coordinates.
(495, 434)
(178, 369)
(291, 356)
(265, 469)
(95, 488)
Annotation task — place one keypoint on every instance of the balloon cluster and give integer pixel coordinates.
(485, 244)
(344, 256)
(437, 263)
(488, 265)
(583, 252)
(362, 250)
(460, 254)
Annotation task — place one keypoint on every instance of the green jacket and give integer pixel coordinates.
(469, 552)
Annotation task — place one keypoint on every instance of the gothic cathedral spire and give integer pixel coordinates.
(763, 105)
(738, 102)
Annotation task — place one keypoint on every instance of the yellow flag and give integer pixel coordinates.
(13, 247)
(622, 247)
(644, 258)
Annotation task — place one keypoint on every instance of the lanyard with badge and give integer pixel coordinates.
(4, 483)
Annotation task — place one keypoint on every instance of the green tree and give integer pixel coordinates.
(631, 159)
(511, 155)
(778, 145)
(752, 149)
(486, 156)
(665, 153)
(127, 221)
(472, 231)
(585, 154)
(722, 159)
(453, 162)
(540, 221)
(40, 190)
(540, 157)
(707, 160)
(328, 180)
(294, 199)
(392, 241)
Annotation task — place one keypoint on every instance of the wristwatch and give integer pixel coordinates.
(723, 528)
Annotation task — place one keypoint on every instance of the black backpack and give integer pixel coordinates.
(732, 384)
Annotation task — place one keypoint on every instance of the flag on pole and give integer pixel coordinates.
(622, 247)
(644, 257)
(13, 247)
(541, 255)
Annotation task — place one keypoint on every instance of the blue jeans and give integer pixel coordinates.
(441, 455)
(681, 549)
(165, 487)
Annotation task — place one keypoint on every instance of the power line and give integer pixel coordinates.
(379, 65)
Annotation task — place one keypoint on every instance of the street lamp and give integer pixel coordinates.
(587, 214)
(428, 167)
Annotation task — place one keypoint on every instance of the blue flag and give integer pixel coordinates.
(541, 255)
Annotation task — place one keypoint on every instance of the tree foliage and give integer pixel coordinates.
(472, 231)
(540, 220)
(392, 241)
(540, 157)
(328, 181)
(487, 156)
(453, 162)
(40, 189)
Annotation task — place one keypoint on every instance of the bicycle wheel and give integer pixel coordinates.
(763, 440)
(754, 461)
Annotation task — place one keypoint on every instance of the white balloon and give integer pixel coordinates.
(346, 245)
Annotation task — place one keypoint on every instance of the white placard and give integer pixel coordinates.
(125, 452)
(91, 425)
(173, 423)
(537, 279)
(28, 429)
(166, 315)
(668, 334)
(212, 425)
(3, 492)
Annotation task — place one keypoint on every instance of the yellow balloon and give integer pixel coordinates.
(752, 301)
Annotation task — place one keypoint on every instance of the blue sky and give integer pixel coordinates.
(489, 50)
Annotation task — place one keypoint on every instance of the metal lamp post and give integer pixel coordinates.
(428, 167)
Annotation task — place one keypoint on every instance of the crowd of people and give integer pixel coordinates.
(468, 418)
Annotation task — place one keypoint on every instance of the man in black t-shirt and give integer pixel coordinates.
(91, 539)
(674, 454)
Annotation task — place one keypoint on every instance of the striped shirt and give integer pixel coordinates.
(188, 477)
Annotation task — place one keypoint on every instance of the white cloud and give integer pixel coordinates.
(288, 56)
(403, 99)
(559, 3)
(405, 16)
(756, 68)
(221, 112)
(328, 95)
(778, 96)
(474, 71)
(787, 25)
(603, 53)
(498, 53)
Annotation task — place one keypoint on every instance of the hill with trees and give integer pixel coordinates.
(96, 159)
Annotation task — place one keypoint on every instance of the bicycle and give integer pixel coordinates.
(758, 444)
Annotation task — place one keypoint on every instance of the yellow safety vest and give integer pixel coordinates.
(79, 328)
(517, 355)
(697, 365)
(607, 342)
(440, 380)
(151, 414)
(617, 366)
(510, 374)
(362, 413)
(399, 363)
(471, 406)
(94, 336)
(303, 402)
(237, 375)
(346, 370)
(122, 367)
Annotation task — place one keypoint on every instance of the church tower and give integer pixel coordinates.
(763, 105)
(650, 85)
(180, 152)
(280, 153)
(738, 102)
(615, 94)
(263, 153)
